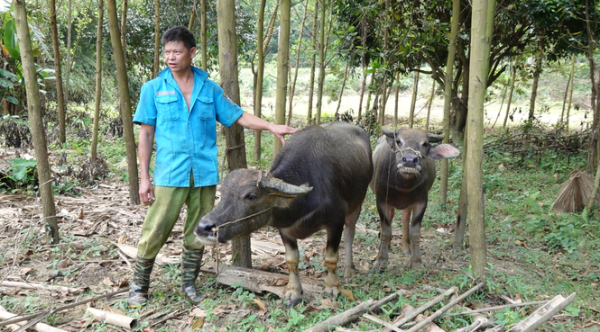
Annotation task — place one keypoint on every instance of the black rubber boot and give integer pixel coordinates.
(138, 291)
(190, 266)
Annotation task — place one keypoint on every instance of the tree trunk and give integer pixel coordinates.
(156, 66)
(35, 122)
(482, 21)
(413, 102)
(203, 41)
(571, 84)
(193, 15)
(321, 83)
(69, 44)
(124, 30)
(536, 79)
(501, 105)
(298, 50)
(313, 64)
(429, 105)
(234, 136)
(98, 80)
(363, 62)
(283, 68)
(396, 101)
(259, 77)
(125, 101)
(594, 141)
(510, 94)
(448, 98)
(60, 97)
(337, 110)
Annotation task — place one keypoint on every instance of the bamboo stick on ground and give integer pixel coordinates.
(500, 307)
(38, 327)
(412, 314)
(112, 318)
(445, 308)
(39, 316)
(382, 322)
(343, 318)
(429, 327)
(51, 288)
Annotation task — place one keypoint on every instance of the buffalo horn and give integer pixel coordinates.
(435, 138)
(388, 132)
(285, 188)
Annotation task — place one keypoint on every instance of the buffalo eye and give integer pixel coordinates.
(426, 145)
(250, 197)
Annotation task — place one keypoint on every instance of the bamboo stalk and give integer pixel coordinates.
(382, 322)
(112, 318)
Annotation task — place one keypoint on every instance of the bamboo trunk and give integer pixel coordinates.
(112, 318)
(38, 327)
(413, 102)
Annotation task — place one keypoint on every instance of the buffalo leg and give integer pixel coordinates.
(349, 231)
(386, 214)
(292, 258)
(406, 245)
(415, 234)
(332, 282)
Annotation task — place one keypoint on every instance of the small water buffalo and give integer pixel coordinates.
(404, 171)
(318, 181)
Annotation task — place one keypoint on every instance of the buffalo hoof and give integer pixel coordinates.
(349, 272)
(294, 297)
(333, 291)
(414, 264)
(378, 267)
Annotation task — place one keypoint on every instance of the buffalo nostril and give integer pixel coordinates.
(416, 160)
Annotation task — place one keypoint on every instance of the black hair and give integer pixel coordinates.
(181, 34)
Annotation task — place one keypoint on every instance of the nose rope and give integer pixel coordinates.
(398, 150)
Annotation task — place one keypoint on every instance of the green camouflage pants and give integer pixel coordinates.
(163, 214)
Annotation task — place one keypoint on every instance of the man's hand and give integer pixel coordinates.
(146, 192)
(250, 121)
(280, 131)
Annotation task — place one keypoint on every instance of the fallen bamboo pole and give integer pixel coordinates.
(113, 318)
(543, 314)
(382, 322)
(445, 308)
(414, 313)
(27, 285)
(386, 299)
(500, 307)
(343, 318)
(41, 327)
(39, 316)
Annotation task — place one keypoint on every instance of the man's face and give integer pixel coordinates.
(177, 57)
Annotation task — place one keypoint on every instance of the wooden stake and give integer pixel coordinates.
(343, 318)
(112, 318)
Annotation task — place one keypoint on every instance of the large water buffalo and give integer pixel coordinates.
(404, 171)
(318, 181)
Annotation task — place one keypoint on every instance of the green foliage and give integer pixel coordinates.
(21, 175)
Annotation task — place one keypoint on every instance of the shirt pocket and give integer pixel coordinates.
(206, 108)
(167, 107)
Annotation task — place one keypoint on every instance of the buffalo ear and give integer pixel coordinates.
(282, 188)
(433, 138)
(442, 151)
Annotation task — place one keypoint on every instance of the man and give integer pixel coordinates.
(179, 109)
